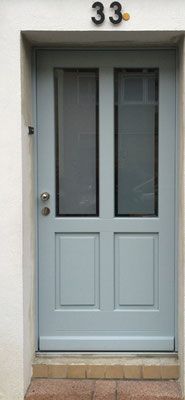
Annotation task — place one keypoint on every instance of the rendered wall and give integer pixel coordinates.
(29, 214)
(46, 22)
(11, 283)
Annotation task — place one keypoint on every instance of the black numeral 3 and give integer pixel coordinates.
(118, 12)
(100, 13)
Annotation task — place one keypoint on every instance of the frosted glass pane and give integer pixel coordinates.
(76, 95)
(136, 133)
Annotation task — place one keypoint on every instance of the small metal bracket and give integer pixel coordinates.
(30, 130)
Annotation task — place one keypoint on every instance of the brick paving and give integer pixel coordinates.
(78, 389)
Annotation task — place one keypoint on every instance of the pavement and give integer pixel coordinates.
(79, 389)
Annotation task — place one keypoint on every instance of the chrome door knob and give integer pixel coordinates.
(45, 196)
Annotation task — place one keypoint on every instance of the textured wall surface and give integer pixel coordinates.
(159, 15)
(46, 22)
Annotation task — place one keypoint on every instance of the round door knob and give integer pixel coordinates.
(45, 196)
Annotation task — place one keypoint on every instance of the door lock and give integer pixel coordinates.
(45, 211)
(45, 196)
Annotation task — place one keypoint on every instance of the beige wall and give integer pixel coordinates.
(29, 213)
(47, 22)
(11, 265)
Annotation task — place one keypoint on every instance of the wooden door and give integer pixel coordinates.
(106, 157)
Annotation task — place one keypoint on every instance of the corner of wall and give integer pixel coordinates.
(28, 212)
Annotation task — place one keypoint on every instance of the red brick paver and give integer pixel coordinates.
(147, 390)
(60, 389)
(68, 389)
(105, 390)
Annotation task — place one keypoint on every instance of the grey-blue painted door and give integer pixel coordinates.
(106, 156)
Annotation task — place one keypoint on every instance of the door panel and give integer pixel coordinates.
(106, 156)
(77, 261)
(141, 267)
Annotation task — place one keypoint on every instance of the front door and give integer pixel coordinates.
(106, 162)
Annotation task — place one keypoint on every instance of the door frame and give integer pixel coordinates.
(176, 173)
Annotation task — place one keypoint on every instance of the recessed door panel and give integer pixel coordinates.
(136, 271)
(77, 261)
(106, 159)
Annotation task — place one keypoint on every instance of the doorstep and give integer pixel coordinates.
(67, 389)
(93, 366)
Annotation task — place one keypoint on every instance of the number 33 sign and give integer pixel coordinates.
(116, 19)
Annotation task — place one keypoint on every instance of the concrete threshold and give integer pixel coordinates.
(106, 366)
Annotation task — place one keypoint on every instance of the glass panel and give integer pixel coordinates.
(136, 142)
(76, 99)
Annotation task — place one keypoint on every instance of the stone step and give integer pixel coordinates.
(109, 367)
(67, 389)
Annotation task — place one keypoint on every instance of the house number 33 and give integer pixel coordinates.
(100, 18)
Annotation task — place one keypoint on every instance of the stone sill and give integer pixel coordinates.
(106, 366)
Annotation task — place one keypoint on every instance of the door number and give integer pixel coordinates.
(100, 13)
(100, 18)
